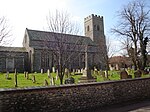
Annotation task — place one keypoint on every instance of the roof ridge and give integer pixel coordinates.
(55, 33)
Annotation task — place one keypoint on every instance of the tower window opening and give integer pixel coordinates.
(88, 28)
(94, 27)
(97, 27)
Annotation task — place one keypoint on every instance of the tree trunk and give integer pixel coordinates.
(135, 57)
(144, 56)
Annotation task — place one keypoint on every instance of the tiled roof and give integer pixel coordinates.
(13, 49)
(51, 36)
(120, 59)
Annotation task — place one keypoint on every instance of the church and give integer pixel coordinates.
(43, 49)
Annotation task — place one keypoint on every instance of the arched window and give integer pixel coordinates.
(88, 28)
(97, 27)
(94, 27)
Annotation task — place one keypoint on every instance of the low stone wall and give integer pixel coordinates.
(73, 97)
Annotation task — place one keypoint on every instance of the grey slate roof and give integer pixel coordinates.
(13, 49)
(35, 35)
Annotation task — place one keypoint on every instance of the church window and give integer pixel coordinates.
(94, 27)
(88, 28)
(97, 27)
(45, 60)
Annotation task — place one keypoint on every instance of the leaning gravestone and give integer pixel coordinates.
(48, 73)
(7, 75)
(123, 74)
(137, 73)
(103, 74)
(33, 79)
(45, 83)
(52, 81)
(27, 75)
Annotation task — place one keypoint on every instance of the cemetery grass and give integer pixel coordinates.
(24, 83)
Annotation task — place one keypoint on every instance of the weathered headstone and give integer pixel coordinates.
(27, 75)
(33, 79)
(56, 77)
(52, 81)
(45, 82)
(41, 71)
(53, 69)
(7, 75)
(48, 73)
(92, 72)
(67, 72)
(73, 71)
(137, 73)
(79, 71)
(70, 80)
(15, 77)
(103, 74)
(123, 74)
(82, 70)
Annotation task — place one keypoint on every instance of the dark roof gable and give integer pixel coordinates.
(35, 35)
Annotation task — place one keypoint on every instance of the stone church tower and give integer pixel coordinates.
(94, 29)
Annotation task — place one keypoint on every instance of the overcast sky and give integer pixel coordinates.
(22, 14)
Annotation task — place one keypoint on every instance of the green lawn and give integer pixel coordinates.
(23, 82)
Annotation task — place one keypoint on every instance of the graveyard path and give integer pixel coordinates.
(143, 106)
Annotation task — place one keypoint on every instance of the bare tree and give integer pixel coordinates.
(134, 25)
(66, 48)
(5, 36)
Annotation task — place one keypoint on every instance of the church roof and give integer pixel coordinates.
(13, 49)
(35, 35)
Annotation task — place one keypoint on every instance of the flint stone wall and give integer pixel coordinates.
(70, 98)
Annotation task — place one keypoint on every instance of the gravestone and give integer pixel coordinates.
(45, 82)
(73, 71)
(67, 73)
(48, 73)
(92, 72)
(56, 77)
(70, 80)
(79, 71)
(123, 74)
(15, 77)
(52, 81)
(82, 70)
(41, 71)
(33, 79)
(7, 75)
(53, 69)
(137, 74)
(103, 74)
(27, 75)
